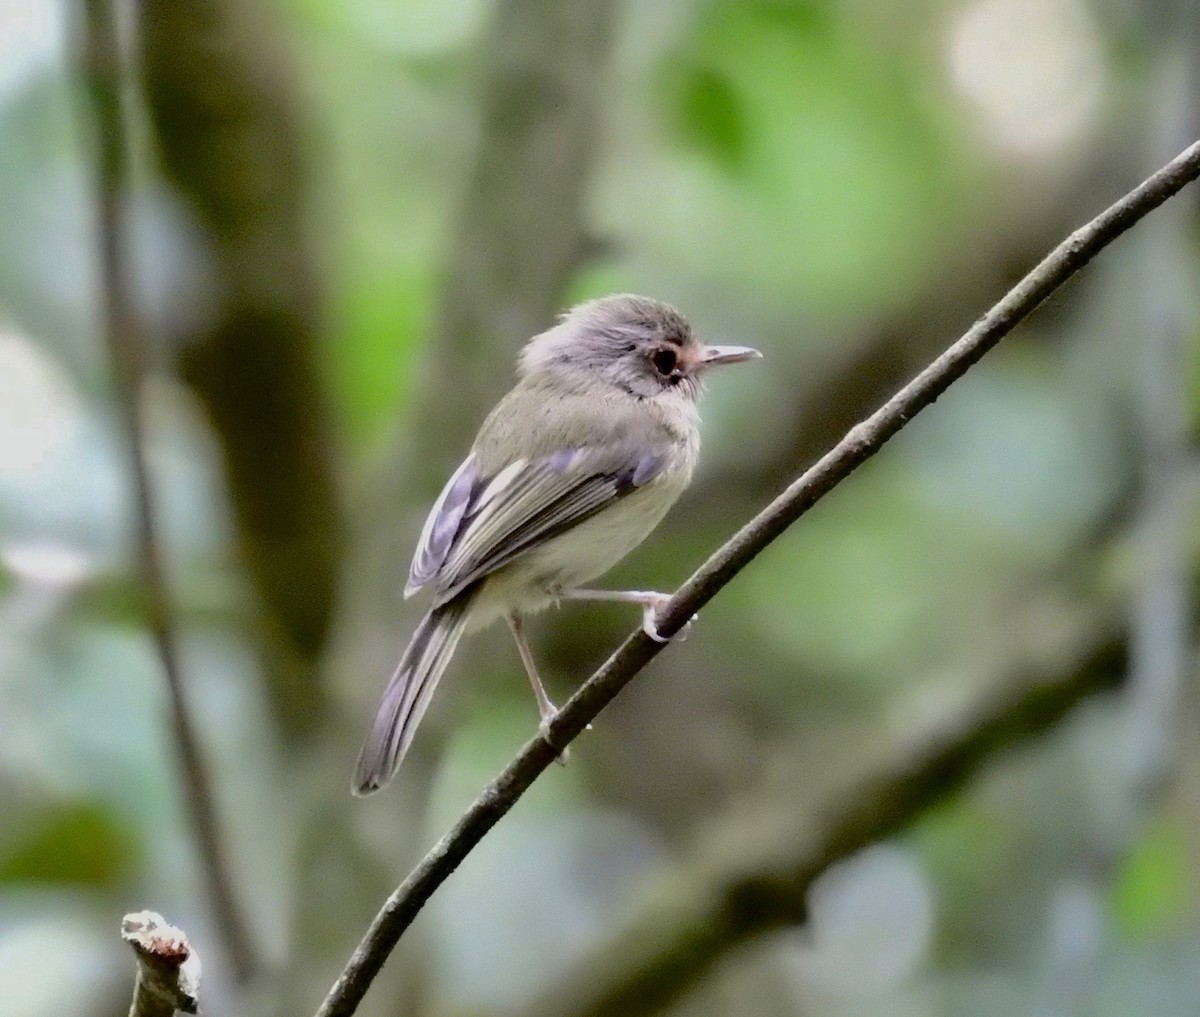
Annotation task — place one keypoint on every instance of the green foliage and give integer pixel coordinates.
(383, 316)
(709, 115)
(824, 172)
(968, 851)
(80, 844)
(1155, 887)
(108, 600)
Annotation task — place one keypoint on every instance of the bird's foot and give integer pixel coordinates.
(564, 754)
(651, 606)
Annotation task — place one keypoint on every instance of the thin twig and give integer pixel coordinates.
(168, 977)
(862, 442)
(100, 65)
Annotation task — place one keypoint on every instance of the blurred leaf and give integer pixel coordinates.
(960, 843)
(413, 27)
(809, 17)
(827, 595)
(847, 177)
(78, 844)
(1153, 889)
(710, 115)
(383, 315)
(111, 599)
(596, 277)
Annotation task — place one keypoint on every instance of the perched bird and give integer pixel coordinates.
(569, 473)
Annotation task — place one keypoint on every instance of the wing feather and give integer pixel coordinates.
(484, 523)
(442, 525)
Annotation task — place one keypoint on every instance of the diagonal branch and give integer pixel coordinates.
(99, 59)
(862, 442)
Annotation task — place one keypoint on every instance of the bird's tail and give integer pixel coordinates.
(407, 695)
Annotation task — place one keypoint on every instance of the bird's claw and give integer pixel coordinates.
(650, 620)
(564, 754)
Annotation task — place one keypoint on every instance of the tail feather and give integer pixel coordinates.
(407, 695)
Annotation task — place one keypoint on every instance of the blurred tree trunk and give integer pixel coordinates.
(219, 94)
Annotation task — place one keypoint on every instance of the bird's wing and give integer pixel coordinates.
(442, 526)
(481, 523)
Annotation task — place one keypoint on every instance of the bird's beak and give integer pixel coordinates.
(715, 355)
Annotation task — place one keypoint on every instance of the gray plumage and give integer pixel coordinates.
(572, 470)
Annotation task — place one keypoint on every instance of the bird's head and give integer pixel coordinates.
(640, 345)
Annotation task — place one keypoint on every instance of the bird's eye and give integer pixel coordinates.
(664, 361)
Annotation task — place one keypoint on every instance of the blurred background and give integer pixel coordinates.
(343, 219)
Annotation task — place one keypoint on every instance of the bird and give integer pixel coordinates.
(573, 469)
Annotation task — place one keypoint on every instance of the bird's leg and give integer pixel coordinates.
(649, 601)
(546, 709)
